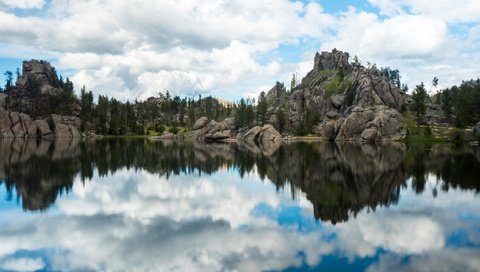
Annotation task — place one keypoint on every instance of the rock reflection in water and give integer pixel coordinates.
(338, 179)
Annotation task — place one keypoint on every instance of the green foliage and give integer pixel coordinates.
(244, 114)
(336, 85)
(307, 124)
(392, 75)
(418, 106)
(8, 79)
(173, 129)
(281, 120)
(262, 108)
(293, 82)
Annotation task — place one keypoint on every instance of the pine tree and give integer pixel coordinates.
(419, 97)
(262, 108)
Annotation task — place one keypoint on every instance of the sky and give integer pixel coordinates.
(236, 48)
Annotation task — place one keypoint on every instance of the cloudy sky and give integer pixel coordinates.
(235, 48)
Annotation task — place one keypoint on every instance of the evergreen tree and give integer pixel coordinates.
(240, 113)
(293, 82)
(8, 79)
(419, 97)
(262, 108)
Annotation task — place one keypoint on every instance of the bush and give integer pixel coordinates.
(336, 85)
(173, 130)
(457, 136)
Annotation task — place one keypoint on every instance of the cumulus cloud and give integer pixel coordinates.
(23, 4)
(22, 264)
(216, 47)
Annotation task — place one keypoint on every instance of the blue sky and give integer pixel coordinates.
(233, 49)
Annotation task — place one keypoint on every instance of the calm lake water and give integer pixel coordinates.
(135, 205)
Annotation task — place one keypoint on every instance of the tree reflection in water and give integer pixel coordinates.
(338, 179)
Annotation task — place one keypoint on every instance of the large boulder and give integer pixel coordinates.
(200, 123)
(43, 130)
(5, 124)
(476, 131)
(262, 135)
(16, 125)
(212, 131)
(65, 126)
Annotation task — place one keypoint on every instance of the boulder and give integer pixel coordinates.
(66, 126)
(200, 123)
(476, 131)
(269, 134)
(262, 135)
(5, 124)
(43, 130)
(212, 131)
(337, 100)
(251, 135)
(28, 125)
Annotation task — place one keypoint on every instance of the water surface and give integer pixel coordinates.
(135, 205)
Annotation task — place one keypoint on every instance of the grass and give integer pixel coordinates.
(336, 85)
(422, 133)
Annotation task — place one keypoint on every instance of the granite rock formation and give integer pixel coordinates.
(38, 84)
(351, 102)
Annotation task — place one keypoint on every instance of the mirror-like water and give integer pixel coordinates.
(135, 205)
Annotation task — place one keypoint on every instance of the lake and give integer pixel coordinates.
(136, 205)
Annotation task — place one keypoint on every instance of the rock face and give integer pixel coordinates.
(348, 102)
(20, 125)
(65, 126)
(205, 131)
(3, 100)
(37, 89)
(476, 131)
(37, 84)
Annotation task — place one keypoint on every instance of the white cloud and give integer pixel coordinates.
(212, 47)
(22, 264)
(448, 10)
(23, 4)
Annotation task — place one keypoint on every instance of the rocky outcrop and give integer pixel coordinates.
(65, 126)
(38, 91)
(43, 130)
(16, 125)
(20, 125)
(212, 131)
(262, 135)
(346, 102)
(226, 131)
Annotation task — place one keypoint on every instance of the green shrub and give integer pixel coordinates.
(337, 85)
